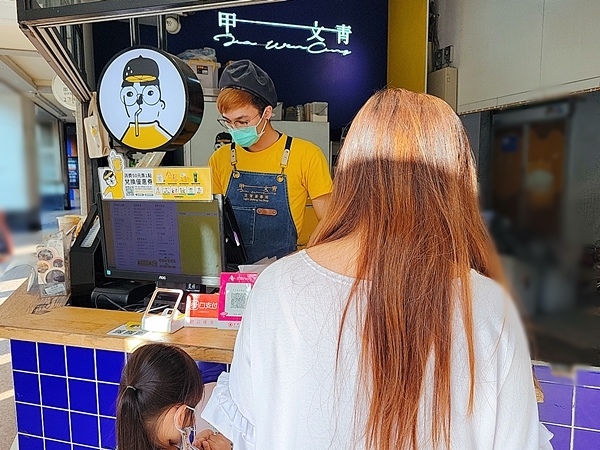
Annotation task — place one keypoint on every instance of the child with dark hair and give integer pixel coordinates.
(160, 388)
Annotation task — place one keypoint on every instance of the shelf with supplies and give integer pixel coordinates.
(198, 150)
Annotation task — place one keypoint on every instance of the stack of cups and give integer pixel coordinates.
(68, 221)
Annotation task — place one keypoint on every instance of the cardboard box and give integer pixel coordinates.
(278, 112)
(316, 112)
(206, 71)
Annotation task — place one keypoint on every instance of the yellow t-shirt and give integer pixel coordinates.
(307, 171)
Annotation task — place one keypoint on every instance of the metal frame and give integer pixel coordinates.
(50, 46)
(41, 26)
(97, 11)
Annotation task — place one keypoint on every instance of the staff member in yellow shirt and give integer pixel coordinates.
(267, 175)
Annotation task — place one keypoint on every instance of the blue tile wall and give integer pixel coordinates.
(30, 443)
(65, 399)
(211, 371)
(27, 387)
(80, 363)
(107, 399)
(570, 409)
(559, 406)
(108, 432)
(24, 355)
(52, 359)
(56, 445)
(586, 439)
(562, 437)
(109, 365)
(65, 396)
(54, 391)
(83, 396)
(57, 424)
(84, 429)
(29, 419)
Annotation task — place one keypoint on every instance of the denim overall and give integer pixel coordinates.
(262, 209)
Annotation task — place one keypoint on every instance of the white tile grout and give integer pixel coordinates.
(573, 418)
(63, 376)
(66, 410)
(37, 360)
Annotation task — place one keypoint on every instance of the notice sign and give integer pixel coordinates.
(163, 183)
(150, 100)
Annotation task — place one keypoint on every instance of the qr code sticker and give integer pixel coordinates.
(236, 297)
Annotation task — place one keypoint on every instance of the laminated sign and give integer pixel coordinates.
(118, 182)
(150, 100)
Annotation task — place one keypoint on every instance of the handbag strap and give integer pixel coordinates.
(93, 106)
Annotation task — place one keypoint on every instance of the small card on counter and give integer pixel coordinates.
(201, 310)
(128, 329)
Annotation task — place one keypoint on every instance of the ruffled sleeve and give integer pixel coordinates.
(545, 437)
(222, 412)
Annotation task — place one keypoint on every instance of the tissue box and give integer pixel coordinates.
(206, 71)
(316, 112)
(201, 310)
(53, 265)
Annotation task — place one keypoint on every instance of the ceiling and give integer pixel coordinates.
(22, 68)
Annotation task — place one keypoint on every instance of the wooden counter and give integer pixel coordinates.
(28, 317)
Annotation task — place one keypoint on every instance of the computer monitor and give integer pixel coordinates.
(165, 241)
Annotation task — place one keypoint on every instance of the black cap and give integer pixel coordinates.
(247, 76)
(140, 70)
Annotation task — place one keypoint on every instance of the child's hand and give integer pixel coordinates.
(208, 440)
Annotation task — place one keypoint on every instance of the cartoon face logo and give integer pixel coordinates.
(149, 100)
(141, 97)
(222, 139)
(110, 178)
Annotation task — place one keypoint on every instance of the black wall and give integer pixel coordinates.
(345, 82)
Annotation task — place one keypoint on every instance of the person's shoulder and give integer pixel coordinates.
(282, 269)
(488, 293)
(308, 147)
(276, 284)
(493, 305)
(222, 153)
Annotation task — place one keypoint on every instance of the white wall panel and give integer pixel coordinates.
(497, 46)
(570, 42)
(509, 51)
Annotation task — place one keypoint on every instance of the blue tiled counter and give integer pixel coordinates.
(66, 369)
(65, 396)
(571, 409)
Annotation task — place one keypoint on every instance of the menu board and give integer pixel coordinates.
(146, 248)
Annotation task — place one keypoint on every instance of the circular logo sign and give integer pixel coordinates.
(63, 94)
(150, 100)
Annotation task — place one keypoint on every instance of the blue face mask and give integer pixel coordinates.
(248, 136)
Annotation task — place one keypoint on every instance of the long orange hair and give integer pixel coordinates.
(406, 186)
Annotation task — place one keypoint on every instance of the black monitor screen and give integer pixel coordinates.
(161, 240)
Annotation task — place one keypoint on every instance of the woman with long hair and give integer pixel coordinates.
(394, 329)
